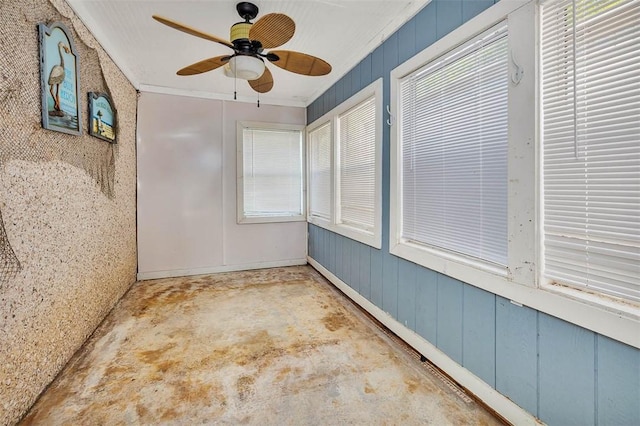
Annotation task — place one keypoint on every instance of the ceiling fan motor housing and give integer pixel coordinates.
(240, 31)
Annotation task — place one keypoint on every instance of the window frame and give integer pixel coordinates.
(583, 291)
(520, 281)
(255, 125)
(311, 218)
(374, 238)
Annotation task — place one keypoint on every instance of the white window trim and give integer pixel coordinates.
(241, 218)
(373, 239)
(319, 220)
(519, 281)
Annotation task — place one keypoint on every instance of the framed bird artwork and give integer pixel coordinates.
(59, 80)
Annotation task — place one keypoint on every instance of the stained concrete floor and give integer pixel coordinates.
(276, 346)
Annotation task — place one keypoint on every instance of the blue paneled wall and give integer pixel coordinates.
(562, 373)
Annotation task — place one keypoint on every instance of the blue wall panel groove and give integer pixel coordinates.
(320, 246)
(390, 284)
(356, 249)
(376, 277)
(354, 259)
(330, 102)
(425, 27)
(340, 91)
(365, 71)
(617, 388)
(427, 304)
(365, 272)
(407, 293)
(517, 353)
(323, 104)
(377, 64)
(326, 238)
(472, 8)
(340, 258)
(316, 231)
(479, 333)
(346, 88)
(356, 79)
(332, 246)
(311, 111)
(407, 41)
(448, 16)
(566, 388)
(390, 54)
(555, 370)
(347, 259)
(449, 326)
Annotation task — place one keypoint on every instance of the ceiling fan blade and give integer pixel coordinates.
(301, 63)
(264, 83)
(204, 66)
(273, 30)
(192, 31)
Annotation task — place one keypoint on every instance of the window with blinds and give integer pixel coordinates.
(271, 171)
(591, 145)
(319, 151)
(345, 167)
(357, 171)
(453, 141)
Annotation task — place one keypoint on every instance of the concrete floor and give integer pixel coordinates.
(277, 346)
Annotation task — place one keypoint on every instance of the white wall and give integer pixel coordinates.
(187, 190)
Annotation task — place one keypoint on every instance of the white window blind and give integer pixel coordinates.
(453, 118)
(357, 141)
(320, 171)
(272, 172)
(591, 144)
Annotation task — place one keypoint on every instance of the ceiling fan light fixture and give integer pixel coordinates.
(246, 67)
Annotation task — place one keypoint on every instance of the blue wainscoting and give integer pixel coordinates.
(561, 373)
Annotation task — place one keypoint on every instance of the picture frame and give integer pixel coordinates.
(59, 79)
(102, 117)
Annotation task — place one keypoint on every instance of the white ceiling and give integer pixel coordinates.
(342, 32)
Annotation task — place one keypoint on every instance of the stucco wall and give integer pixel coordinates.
(68, 205)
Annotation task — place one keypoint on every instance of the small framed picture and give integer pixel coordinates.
(59, 74)
(102, 117)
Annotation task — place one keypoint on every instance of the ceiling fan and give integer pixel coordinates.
(248, 41)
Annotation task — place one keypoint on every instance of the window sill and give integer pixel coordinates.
(269, 219)
(624, 309)
(373, 239)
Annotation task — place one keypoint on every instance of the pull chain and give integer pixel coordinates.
(235, 84)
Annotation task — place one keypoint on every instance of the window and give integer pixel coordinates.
(451, 148)
(454, 151)
(515, 159)
(270, 170)
(345, 168)
(320, 172)
(357, 179)
(591, 145)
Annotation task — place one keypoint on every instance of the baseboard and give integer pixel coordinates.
(484, 392)
(141, 276)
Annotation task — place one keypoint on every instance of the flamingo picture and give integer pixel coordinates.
(56, 77)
